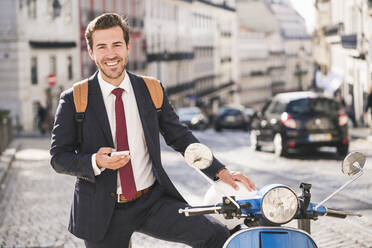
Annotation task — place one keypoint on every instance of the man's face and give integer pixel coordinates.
(110, 53)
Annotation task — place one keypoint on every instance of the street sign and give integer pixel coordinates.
(51, 79)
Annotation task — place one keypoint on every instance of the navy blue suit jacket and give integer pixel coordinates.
(95, 196)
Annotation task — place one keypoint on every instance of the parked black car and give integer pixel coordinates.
(231, 118)
(298, 119)
(193, 117)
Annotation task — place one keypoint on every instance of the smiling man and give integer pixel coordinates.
(117, 195)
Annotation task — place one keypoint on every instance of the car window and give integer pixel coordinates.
(273, 107)
(315, 105)
(270, 107)
(278, 108)
(231, 112)
(266, 106)
(249, 111)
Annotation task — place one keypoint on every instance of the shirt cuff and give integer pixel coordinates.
(97, 171)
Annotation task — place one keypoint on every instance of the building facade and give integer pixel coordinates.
(214, 45)
(190, 45)
(342, 51)
(187, 44)
(274, 51)
(170, 55)
(133, 11)
(39, 46)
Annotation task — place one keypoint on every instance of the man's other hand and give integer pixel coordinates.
(230, 177)
(103, 159)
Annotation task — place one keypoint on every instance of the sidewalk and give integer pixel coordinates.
(361, 134)
(7, 157)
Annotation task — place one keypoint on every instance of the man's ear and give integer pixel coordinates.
(91, 55)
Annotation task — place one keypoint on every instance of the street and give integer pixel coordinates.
(35, 201)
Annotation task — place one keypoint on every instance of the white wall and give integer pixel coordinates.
(9, 58)
(16, 91)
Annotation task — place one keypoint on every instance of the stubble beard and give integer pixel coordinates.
(114, 75)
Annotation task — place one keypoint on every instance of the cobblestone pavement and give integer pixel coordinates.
(35, 204)
(35, 201)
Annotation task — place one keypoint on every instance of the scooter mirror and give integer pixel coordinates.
(199, 156)
(353, 163)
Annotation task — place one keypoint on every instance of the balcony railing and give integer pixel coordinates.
(151, 57)
(180, 88)
(334, 29)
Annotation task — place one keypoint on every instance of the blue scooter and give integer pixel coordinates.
(263, 212)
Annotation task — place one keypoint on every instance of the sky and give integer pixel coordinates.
(306, 9)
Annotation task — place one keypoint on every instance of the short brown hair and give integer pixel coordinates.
(105, 21)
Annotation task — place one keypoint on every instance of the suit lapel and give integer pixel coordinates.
(98, 106)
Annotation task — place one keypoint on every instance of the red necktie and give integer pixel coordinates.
(128, 186)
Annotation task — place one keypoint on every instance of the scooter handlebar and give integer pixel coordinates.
(340, 214)
(192, 211)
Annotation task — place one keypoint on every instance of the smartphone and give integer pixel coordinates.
(119, 153)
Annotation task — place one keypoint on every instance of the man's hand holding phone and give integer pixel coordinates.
(107, 157)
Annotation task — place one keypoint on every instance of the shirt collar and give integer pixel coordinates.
(107, 88)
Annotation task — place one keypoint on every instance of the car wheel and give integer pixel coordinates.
(279, 149)
(342, 149)
(254, 143)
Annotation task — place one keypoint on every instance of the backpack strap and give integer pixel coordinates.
(156, 91)
(80, 92)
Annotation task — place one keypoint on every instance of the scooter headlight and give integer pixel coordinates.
(279, 205)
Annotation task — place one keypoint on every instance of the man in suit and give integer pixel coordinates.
(117, 195)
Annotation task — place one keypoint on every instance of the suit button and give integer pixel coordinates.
(112, 194)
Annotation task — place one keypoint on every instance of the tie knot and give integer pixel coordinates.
(117, 92)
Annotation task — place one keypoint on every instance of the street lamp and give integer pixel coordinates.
(56, 8)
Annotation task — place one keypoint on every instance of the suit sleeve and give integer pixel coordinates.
(65, 158)
(178, 136)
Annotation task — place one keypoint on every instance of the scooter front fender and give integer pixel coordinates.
(270, 237)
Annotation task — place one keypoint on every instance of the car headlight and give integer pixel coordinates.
(279, 205)
(195, 120)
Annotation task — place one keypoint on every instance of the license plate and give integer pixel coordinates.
(320, 137)
(230, 118)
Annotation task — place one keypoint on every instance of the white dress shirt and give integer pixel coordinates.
(140, 158)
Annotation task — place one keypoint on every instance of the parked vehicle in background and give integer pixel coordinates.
(193, 117)
(231, 117)
(301, 119)
(249, 113)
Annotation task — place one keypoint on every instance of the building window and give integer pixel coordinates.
(68, 11)
(34, 70)
(54, 9)
(53, 64)
(69, 67)
(32, 9)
